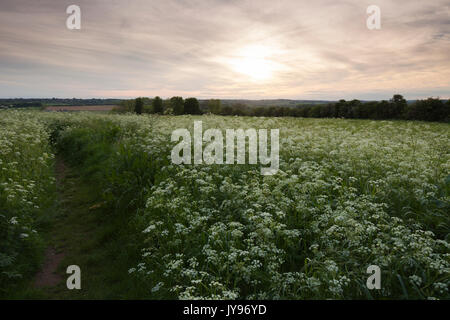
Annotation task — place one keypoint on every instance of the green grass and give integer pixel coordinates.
(94, 239)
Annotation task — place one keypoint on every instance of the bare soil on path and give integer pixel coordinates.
(48, 275)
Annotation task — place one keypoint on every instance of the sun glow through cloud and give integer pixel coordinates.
(255, 62)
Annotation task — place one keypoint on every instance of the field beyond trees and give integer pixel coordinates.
(349, 194)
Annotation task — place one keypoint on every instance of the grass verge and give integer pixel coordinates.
(88, 235)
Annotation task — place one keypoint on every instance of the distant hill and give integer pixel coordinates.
(269, 102)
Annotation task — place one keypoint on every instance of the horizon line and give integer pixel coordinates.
(214, 98)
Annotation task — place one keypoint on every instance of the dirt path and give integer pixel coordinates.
(48, 275)
(86, 232)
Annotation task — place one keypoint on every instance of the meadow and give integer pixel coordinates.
(348, 194)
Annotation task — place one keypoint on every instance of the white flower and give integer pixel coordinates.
(149, 228)
(157, 287)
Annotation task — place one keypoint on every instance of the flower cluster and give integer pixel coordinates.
(26, 190)
(348, 194)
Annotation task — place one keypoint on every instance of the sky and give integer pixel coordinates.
(227, 49)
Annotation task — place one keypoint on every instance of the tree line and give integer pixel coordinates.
(42, 102)
(173, 106)
(431, 109)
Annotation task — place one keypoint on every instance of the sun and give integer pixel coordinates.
(253, 61)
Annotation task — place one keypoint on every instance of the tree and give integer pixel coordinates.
(191, 106)
(126, 106)
(177, 105)
(383, 110)
(314, 112)
(157, 105)
(304, 111)
(214, 106)
(429, 110)
(354, 110)
(399, 105)
(327, 111)
(226, 111)
(138, 105)
(447, 111)
(341, 109)
(258, 112)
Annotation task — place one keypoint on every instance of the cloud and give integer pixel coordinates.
(318, 49)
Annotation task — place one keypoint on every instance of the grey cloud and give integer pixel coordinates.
(323, 48)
